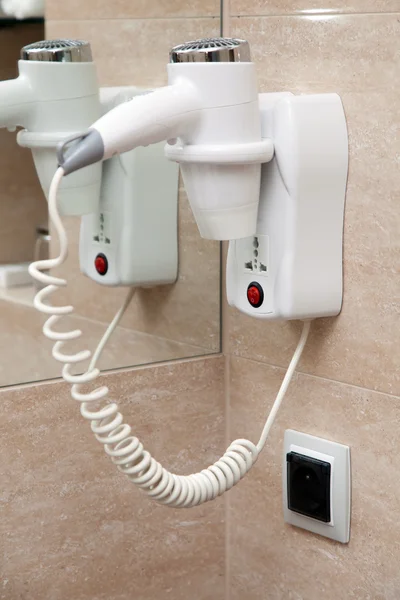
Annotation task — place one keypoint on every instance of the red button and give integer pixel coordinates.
(255, 294)
(101, 264)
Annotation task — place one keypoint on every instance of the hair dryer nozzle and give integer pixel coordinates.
(70, 51)
(211, 50)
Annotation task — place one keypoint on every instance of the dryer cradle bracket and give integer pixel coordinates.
(132, 237)
(292, 267)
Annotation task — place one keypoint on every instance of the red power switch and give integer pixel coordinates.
(255, 294)
(101, 264)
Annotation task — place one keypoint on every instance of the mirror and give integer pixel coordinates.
(163, 323)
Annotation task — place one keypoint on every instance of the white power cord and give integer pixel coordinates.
(125, 450)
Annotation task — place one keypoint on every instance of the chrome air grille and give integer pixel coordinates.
(211, 50)
(58, 51)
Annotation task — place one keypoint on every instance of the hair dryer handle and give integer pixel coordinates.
(16, 97)
(166, 113)
(149, 118)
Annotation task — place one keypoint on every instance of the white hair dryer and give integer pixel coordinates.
(209, 114)
(55, 95)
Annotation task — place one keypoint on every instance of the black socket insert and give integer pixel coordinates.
(308, 486)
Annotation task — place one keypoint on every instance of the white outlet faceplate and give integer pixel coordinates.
(338, 456)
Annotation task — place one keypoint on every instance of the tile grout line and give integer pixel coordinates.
(127, 19)
(225, 18)
(317, 14)
(327, 379)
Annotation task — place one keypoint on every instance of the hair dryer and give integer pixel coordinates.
(55, 95)
(209, 114)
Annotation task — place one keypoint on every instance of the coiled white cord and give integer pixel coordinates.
(125, 450)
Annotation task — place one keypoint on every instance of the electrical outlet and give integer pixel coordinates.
(316, 485)
(102, 227)
(253, 254)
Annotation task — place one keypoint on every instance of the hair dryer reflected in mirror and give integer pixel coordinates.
(55, 94)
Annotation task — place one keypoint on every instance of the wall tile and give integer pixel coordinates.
(22, 204)
(296, 53)
(311, 7)
(126, 9)
(268, 559)
(133, 52)
(360, 346)
(72, 527)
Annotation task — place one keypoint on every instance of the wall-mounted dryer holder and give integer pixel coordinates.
(291, 268)
(129, 204)
(131, 238)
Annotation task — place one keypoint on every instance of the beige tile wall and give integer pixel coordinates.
(22, 204)
(281, 7)
(356, 56)
(125, 9)
(133, 51)
(272, 561)
(71, 526)
(349, 386)
(72, 519)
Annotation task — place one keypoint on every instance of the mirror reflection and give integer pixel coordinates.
(175, 311)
